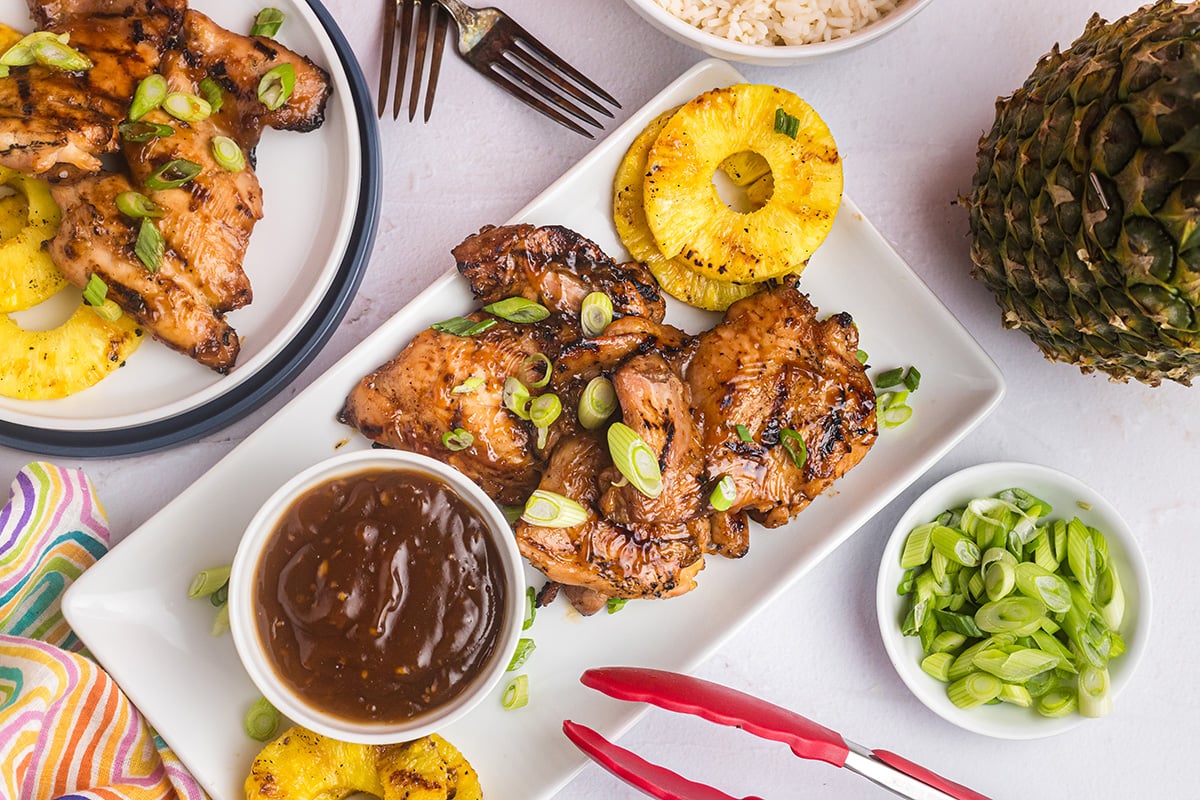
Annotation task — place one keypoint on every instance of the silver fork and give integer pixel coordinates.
(508, 55)
(415, 18)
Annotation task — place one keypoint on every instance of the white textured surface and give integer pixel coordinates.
(907, 111)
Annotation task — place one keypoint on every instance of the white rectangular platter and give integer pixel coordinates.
(132, 610)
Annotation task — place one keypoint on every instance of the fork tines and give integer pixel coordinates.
(535, 74)
(415, 18)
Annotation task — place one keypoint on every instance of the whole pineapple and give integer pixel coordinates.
(1085, 209)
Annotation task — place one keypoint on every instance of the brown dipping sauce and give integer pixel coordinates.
(380, 595)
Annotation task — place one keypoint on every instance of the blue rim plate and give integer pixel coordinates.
(180, 422)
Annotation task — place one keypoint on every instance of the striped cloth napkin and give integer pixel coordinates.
(67, 732)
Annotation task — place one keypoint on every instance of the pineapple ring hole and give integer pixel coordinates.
(49, 314)
(14, 211)
(737, 189)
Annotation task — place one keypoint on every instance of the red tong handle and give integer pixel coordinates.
(722, 705)
(652, 779)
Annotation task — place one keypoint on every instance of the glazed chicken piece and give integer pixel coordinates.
(94, 239)
(774, 368)
(409, 403)
(57, 124)
(556, 267)
(609, 559)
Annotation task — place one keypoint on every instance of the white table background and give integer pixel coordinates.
(907, 112)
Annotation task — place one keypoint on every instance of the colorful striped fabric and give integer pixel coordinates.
(66, 729)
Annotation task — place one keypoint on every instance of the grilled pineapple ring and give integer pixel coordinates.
(28, 218)
(688, 217)
(674, 275)
(302, 765)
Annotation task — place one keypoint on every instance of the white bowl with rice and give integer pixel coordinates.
(776, 32)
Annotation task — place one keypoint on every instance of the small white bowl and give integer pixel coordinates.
(1063, 492)
(257, 660)
(771, 55)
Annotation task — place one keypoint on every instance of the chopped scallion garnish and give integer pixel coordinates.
(457, 439)
(516, 397)
(912, 378)
(536, 370)
(220, 622)
(551, 510)
(107, 311)
(143, 131)
(150, 247)
(55, 53)
(793, 442)
(186, 107)
(468, 386)
(213, 94)
(530, 594)
(597, 403)
(149, 95)
(635, 460)
(543, 412)
(461, 326)
(95, 291)
(267, 23)
(615, 604)
(974, 690)
(525, 648)
(173, 174)
(893, 377)
(723, 494)
(861, 356)
(516, 694)
(137, 206)
(276, 86)
(786, 124)
(596, 313)
(208, 581)
(262, 720)
(518, 309)
(228, 154)
(744, 433)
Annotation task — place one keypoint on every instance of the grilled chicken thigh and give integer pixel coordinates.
(95, 240)
(57, 123)
(556, 267)
(773, 368)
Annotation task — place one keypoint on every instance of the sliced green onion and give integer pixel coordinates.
(143, 131)
(959, 623)
(1083, 505)
(1043, 552)
(1017, 666)
(173, 174)
(912, 378)
(744, 433)
(1094, 695)
(1110, 597)
(974, 690)
(1081, 555)
(58, 55)
(468, 386)
(551, 510)
(1058, 702)
(457, 439)
(615, 604)
(516, 397)
(213, 94)
(1101, 546)
(1118, 645)
(461, 326)
(262, 720)
(267, 23)
(221, 596)
(525, 648)
(1047, 643)
(947, 642)
(954, 546)
(597, 403)
(937, 666)
(516, 694)
(20, 54)
(1016, 695)
(894, 413)
(964, 662)
(95, 291)
(228, 154)
(786, 124)
(861, 356)
(1034, 506)
(999, 578)
(107, 311)
(512, 513)
(918, 547)
(1009, 614)
(150, 93)
(208, 581)
(908, 582)
(536, 370)
(596, 314)
(4, 68)
(276, 86)
(543, 412)
(150, 247)
(186, 107)
(138, 206)
(1090, 637)
(915, 618)
(220, 621)
(635, 460)
(518, 309)
(1052, 590)
(723, 494)
(793, 442)
(530, 595)
(893, 377)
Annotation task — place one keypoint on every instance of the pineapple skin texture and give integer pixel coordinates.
(1085, 207)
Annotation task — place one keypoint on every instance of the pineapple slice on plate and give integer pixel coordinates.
(45, 365)
(674, 275)
(28, 218)
(688, 217)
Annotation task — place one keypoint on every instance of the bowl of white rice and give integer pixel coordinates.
(776, 32)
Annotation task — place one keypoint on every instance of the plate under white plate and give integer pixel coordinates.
(294, 255)
(132, 611)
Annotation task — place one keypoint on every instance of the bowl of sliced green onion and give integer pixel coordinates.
(1013, 600)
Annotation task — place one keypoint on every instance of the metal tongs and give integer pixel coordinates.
(725, 706)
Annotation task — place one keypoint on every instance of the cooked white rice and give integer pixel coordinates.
(775, 22)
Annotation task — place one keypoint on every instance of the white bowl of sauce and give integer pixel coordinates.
(377, 597)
